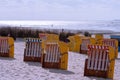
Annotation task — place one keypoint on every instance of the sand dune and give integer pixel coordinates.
(17, 69)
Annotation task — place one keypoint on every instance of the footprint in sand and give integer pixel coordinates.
(42, 76)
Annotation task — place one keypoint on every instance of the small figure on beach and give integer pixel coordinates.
(8, 35)
(63, 37)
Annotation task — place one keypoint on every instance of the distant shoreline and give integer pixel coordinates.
(60, 30)
(99, 26)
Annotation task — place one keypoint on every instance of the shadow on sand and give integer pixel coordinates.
(34, 63)
(97, 78)
(61, 71)
(7, 58)
(118, 59)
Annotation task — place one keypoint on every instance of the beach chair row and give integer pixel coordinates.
(80, 43)
(51, 54)
(54, 54)
(101, 54)
(76, 44)
(100, 61)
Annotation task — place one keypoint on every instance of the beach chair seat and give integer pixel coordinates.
(55, 56)
(100, 62)
(113, 43)
(52, 56)
(33, 50)
(83, 46)
(6, 47)
(85, 41)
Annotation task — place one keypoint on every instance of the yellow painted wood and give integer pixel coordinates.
(55, 37)
(52, 37)
(77, 43)
(116, 49)
(71, 44)
(74, 44)
(112, 62)
(111, 53)
(49, 37)
(11, 47)
(64, 55)
(92, 41)
(98, 38)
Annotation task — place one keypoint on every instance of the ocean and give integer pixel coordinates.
(72, 25)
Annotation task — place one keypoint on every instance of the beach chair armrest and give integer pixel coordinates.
(111, 60)
(63, 53)
(11, 45)
(43, 51)
(85, 68)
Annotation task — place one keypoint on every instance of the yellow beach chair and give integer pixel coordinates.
(33, 49)
(113, 43)
(100, 62)
(7, 47)
(55, 55)
(84, 44)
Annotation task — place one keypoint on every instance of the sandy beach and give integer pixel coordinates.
(17, 69)
(28, 18)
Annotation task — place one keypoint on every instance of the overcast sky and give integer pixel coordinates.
(73, 10)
